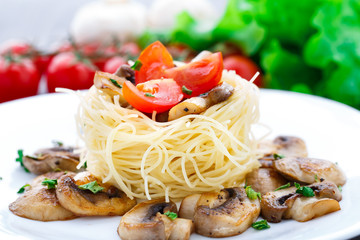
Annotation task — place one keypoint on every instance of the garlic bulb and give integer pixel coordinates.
(162, 14)
(104, 20)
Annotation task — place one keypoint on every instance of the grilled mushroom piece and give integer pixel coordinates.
(196, 105)
(265, 180)
(147, 221)
(286, 203)
(107, 202)
(125, 71)
(40, 203)
(222, 214)
(53, 159)
(110, 84)
(282, 145)
(306, 170)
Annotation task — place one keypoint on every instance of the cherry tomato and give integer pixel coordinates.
(113, 64)
(18, 78)
(70, 71)
(154, 95)
(244, 67)
(155, 59)
(130, 49)
(199, 76)
(16, 47)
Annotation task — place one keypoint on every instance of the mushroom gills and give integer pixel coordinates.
(108, 202)
(286, 203)
(147, 221)
(40, 203)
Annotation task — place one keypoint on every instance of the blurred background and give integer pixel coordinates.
(308, 46)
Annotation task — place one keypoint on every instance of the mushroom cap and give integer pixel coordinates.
(265, 180)
(146, 221)
(110, 201)
(304, 170)
(224, 214)
(40, 203)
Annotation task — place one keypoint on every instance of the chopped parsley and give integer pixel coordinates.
(340, 188)
(171, 215)
(278, 156)
(283, 187)
(92, 186)
(50, 183)
(57, 143)
(251, 193)
(22, 189)
(20, 159)
(316, 178)
(186, 90)
(85, 165)
(260, 225)
(113, 81)
(305, 191)
(149, 95)
(137, 65)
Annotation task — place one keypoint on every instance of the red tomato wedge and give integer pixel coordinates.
(154, 95)
(154, 59)
(200, 76)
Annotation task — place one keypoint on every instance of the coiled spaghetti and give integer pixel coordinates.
(192, 154)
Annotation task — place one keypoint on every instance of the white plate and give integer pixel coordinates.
(330, 129)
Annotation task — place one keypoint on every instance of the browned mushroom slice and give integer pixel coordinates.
(52, 159)
(83, 202)
(225, 213)
(196, 105)
(188, 206)
(281, 145)
(125, 71)
(306, 170)
(110, 84)
(265, 180)
(286, 203)
(147, 221)
(40, 203)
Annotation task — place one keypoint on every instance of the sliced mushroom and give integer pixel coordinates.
(188, 206)
(110, 201)
(265, 180)
(110, 84)
(306, 170)
(286, 203)
(125, 71)
(282, 145)
(222, 214)
(40, 203)
(147, 221)
(53, 159)
(196, 105)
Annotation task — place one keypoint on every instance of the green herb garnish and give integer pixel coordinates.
(252, 194)
(85, 165)
(113, 81)
(149, 95)
(316, 178)
(22, 189)
(57, 143)
(305, 191)
(260, 225)
(50, 183)
(186, 90)
(137, 65)
(278, 156)
(283, 187)
(171, 215)
(340, 188)
(20, 159)
(92, 186)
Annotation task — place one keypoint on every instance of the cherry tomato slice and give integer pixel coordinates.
(199, 76)
(154, 95)
(155, 59)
